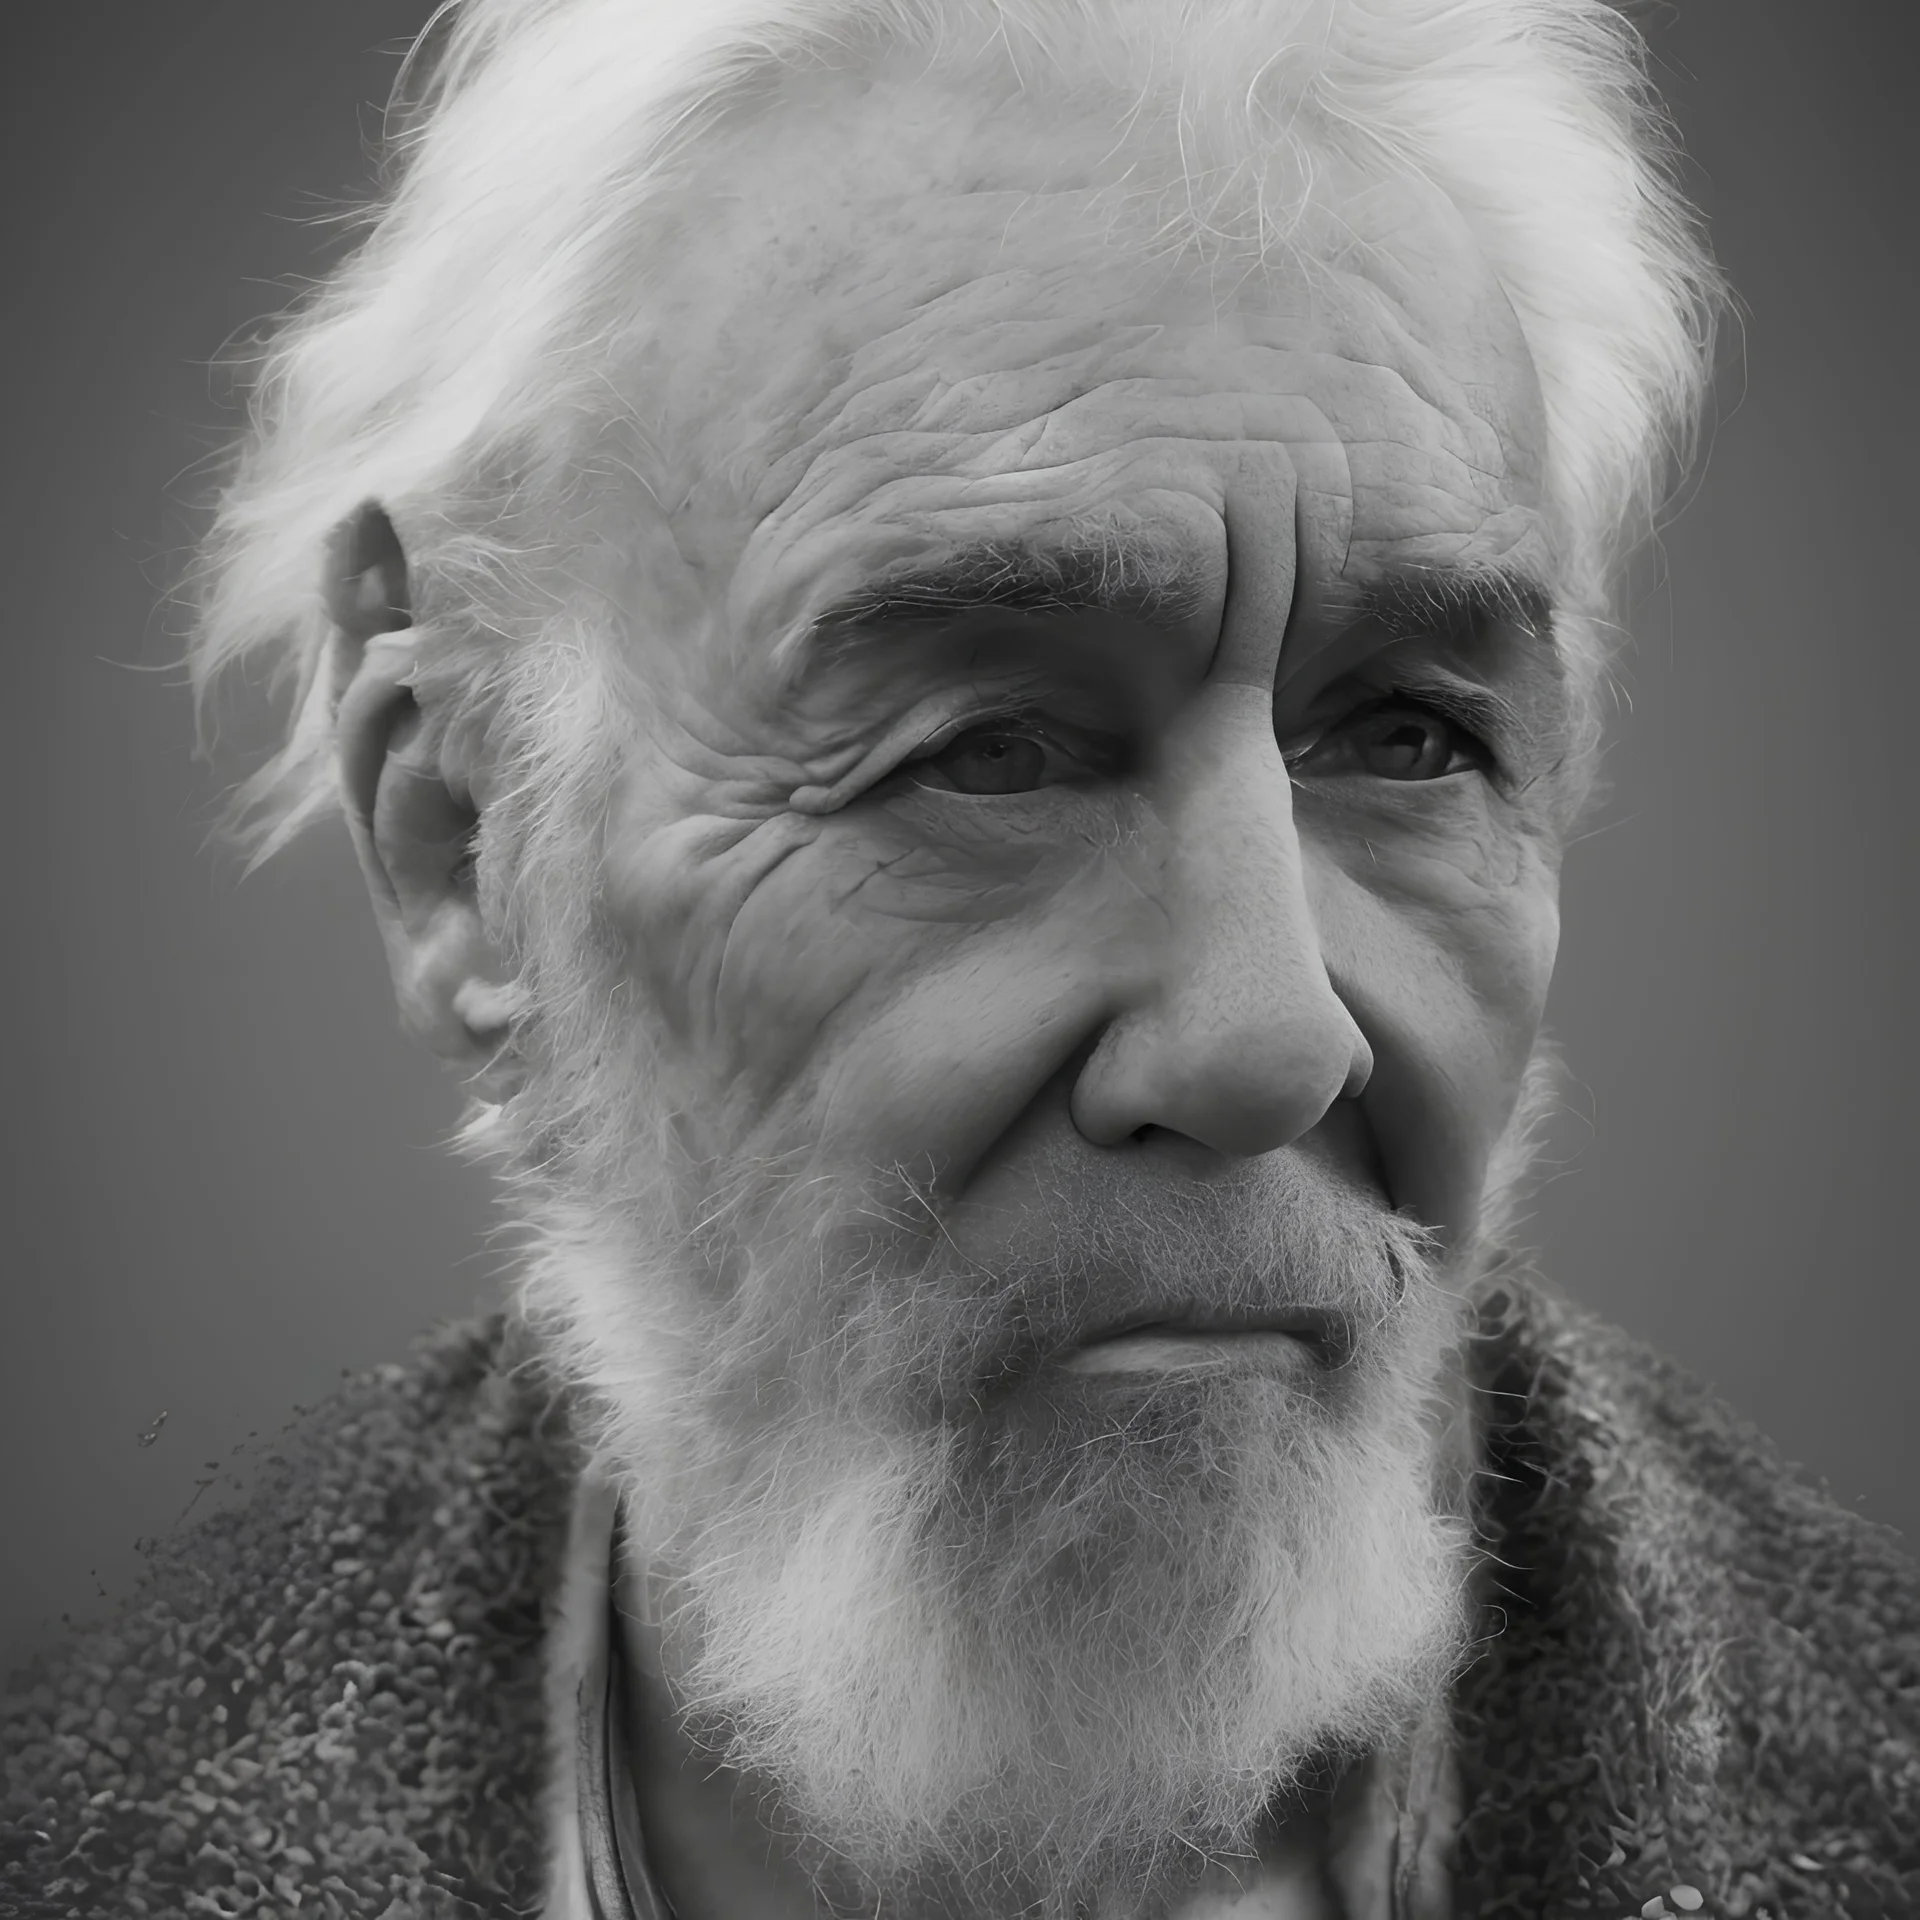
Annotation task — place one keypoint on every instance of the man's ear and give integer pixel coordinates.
(412, 816)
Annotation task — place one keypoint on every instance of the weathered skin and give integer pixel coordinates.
(1080, 908)
(1187, 954)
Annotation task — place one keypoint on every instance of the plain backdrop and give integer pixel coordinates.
(222, 1165)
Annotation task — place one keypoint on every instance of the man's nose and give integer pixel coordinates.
(1236, 1039)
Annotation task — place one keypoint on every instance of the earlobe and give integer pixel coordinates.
(411, 816)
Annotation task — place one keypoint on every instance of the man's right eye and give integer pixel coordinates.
(997, 757)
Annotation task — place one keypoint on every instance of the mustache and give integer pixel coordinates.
(891, 1305)
(1023, 1318)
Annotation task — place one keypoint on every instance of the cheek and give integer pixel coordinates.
(890, 986)
(1440, 935)
(675, 893)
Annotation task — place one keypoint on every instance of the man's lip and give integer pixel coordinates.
(1327, 1333)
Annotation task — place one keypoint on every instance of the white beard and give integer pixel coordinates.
(997, 1640)
(1066, 1688)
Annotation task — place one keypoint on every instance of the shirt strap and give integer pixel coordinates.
(613, 1850)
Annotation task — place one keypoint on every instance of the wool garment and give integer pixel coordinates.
(1698, 1679)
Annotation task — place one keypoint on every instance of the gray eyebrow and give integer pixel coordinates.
(1116, 573)
(1104, 573)
(1454, 600)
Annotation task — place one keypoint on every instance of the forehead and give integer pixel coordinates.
(906, 317)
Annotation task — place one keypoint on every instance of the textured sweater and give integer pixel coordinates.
(1695, 1671)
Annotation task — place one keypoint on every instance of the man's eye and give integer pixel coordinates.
(1396, 739)
(997, 757)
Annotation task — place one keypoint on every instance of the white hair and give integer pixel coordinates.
(455, 368)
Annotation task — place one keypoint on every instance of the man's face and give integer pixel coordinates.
(1086, 873)
(1094, 709)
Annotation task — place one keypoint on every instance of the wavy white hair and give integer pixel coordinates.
(455, 367)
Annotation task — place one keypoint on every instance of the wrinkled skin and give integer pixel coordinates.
(1172, 945)
(1220, 832)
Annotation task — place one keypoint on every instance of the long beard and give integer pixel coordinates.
(987, 1636)
(1062, 1667)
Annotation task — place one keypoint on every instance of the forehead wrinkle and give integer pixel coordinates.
(878, 327)
(948, 344)
(1406, 535)
(1039, 400)
(864, 530)
(1156, 503)
(1001, 424)
(930, 400)
(962, 409)
(1104, 437)
(875, 259)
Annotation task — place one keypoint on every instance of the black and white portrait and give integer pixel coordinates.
(960, 962)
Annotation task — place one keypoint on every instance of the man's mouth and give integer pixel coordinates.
(1318, 1337)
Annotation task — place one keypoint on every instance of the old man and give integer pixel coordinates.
(959, 638)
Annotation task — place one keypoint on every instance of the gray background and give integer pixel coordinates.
(221, 1165)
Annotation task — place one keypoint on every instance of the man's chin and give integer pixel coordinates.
(1112, 1626)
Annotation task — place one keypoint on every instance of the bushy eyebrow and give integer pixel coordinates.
(1103, 573)
(1158, 583)
(1462, 600)
(1149, 581)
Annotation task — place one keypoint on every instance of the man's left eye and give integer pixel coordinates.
(1396, 739)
